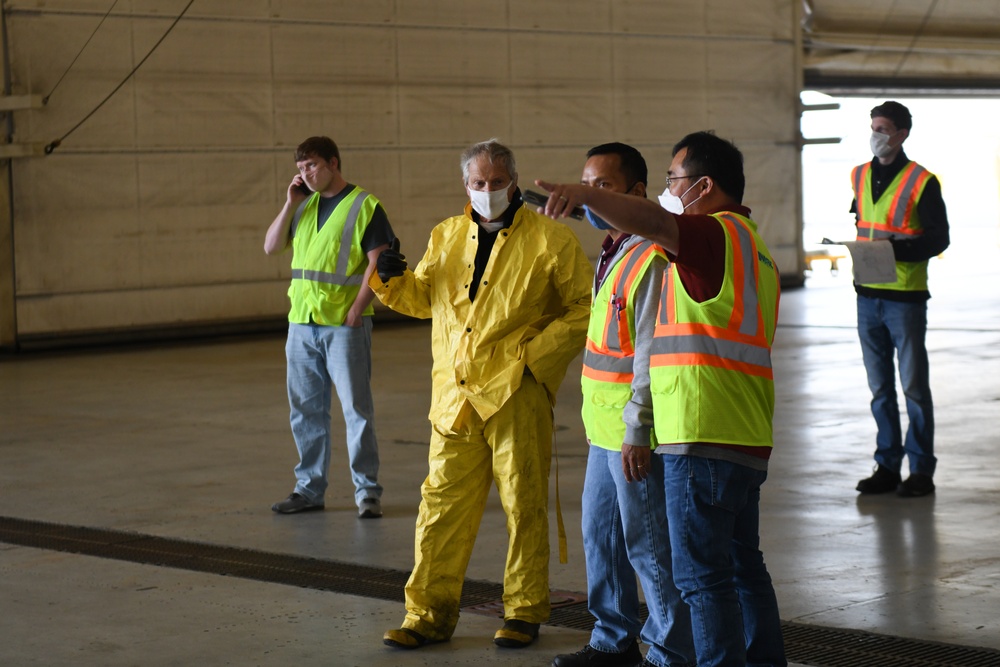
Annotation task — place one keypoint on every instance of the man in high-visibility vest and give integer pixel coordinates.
(624, 518)
(712, 389)
(336, 231)
(898, 201)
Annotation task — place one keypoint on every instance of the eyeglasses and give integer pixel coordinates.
(671, 179)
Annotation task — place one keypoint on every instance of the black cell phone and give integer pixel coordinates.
(304, 189)
(538, 199)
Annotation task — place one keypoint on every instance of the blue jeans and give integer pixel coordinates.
(888, 327)
(713, 513)
(624, 535)
(321, 358)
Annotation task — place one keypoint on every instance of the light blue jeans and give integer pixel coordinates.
(321, 358)
(887, 328)
(624, 535)
(713, 510)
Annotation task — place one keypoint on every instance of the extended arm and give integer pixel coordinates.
(627, 213)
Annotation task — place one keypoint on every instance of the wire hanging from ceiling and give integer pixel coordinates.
(57, 142)
(45, 100)
(916, 36)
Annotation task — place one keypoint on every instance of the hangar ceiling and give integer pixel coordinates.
(916, 47)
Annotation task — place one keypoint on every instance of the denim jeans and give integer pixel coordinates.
(321, 358)
(624, 535)
(713, 514)
(888, 327)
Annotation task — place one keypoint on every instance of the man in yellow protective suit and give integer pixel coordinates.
(508, 292)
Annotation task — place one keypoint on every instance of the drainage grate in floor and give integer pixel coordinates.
(810, 645)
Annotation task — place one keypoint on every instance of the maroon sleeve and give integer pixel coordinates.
(701, 256)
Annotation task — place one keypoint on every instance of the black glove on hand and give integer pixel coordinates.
(391, 262)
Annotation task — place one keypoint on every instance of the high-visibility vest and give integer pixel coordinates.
(607, 359)
(894, 215)
(710, 364)
(328, 264)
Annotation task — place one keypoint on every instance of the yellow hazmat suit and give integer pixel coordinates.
(498, 362)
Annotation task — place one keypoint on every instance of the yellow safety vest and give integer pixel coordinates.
(328, 264)
(893, 216)
(607, 359)
(710, 363)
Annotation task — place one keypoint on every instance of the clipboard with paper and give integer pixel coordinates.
(873, 262)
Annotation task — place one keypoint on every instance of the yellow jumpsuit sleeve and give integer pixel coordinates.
(549, 353)
(410, 293)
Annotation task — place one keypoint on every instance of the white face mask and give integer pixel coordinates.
(675, 204)
(880, 144)
(490, 205)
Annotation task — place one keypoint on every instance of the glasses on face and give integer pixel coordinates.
(672, 179)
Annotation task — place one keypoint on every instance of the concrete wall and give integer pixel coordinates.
(153, 212)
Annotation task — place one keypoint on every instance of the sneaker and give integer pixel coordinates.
(516, 634)
(882, 480)
(295, 503)
(370, 508)
(404, 638)
(916, 485)
(591, 657)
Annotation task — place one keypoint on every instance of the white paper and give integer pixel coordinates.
(874, 261)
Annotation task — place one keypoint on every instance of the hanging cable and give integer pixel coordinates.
(916, 36)
(57, 142)
(45, 100)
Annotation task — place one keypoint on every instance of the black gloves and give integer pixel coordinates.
(391, 262)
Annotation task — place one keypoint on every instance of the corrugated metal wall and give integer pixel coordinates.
(153, 212)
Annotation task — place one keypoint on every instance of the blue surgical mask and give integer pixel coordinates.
(596, 220)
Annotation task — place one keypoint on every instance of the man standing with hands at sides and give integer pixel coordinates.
(898, 201)
(508, 295)
(336, 231)
(712, 388)
(624, 519)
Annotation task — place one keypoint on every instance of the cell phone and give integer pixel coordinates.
(538, 199)
(304, 189)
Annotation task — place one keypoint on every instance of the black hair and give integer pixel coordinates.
(633, 165)
(896, 112)
(709, 155)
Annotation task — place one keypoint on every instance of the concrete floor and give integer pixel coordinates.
(191, 441)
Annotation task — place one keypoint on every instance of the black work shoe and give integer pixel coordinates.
(916, 485)
(295, 503)
(591, 657)
(516, 634)
(882, 480)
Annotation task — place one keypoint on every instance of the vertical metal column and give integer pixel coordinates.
(8, 310)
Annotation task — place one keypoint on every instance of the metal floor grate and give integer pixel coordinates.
(806, 644)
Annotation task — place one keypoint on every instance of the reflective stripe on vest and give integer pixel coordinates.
(343, 255)
(897, 223)
(612, 362)
(742, 346)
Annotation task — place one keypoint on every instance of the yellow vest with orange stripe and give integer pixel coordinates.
(893, 216)
(607, 359)
(710, 364)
